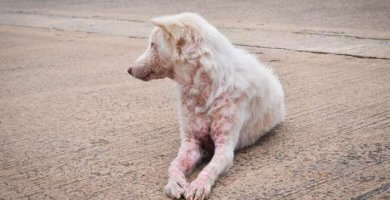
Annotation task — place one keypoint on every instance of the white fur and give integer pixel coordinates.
(255, 90)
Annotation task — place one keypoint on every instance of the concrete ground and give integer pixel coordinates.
(75, 125)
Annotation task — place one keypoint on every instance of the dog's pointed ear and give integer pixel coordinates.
(170, 25)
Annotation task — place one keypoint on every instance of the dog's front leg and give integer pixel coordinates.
(188, 156)
(221, 161)
(224, 131)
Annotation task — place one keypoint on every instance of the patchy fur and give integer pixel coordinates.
(227, 98)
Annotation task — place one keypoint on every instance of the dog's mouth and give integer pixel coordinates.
(148, 77)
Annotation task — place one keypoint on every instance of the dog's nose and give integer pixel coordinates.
(130, 71)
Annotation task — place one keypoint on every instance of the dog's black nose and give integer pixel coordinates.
(130, 71)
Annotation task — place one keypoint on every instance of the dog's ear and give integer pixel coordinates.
(180, 33)
(172, 27)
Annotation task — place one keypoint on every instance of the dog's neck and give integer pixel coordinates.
(201, 82)
(196, 79)
(190, 73)
(194, 87)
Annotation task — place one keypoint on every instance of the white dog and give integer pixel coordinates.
(227, 98)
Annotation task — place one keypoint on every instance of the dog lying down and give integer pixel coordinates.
(227, 98)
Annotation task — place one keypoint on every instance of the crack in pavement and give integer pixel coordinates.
(314, 52)
(341, 35)
(373, 193)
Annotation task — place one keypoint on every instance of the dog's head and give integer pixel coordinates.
(173, 50)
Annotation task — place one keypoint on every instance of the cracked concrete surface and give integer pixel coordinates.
(74, 125)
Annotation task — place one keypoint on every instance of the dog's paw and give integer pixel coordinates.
(176, 188)
(197, 190)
